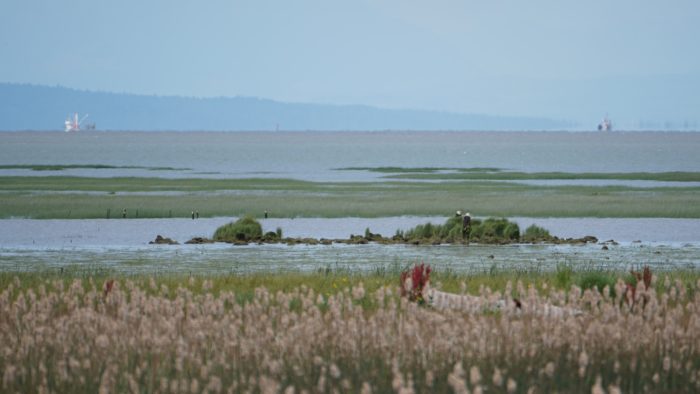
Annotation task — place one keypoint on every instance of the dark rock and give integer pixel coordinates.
(270, 237)
(357, 240)
(200, 240)
(160, 240)
(373, 237)
(605, 247)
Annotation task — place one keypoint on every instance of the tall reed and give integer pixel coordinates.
(134, 335)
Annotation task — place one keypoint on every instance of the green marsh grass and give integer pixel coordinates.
(61, 167)
(470, 174)
(243, 229)
(598, 280)
(419, 169)
(330, 280)
(499, 174)
(73, 197)
(534, 233)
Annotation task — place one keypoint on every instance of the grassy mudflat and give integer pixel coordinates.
(82, 197)
(61, 167)
(329, 332)
(393, 170)
(497, 174)
(503, 175)
(138, 184)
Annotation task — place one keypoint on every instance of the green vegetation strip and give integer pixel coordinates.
(498, 174)
(61, 167)
(82, 197)
(420, 169)
(144, 184)
(329, 280)
(515, 176)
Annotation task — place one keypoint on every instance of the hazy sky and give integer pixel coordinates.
(467, 56)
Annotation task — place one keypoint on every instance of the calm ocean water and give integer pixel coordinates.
(315, 155)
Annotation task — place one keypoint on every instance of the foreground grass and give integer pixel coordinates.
(328, 281)
(75, 197)
(338, 331)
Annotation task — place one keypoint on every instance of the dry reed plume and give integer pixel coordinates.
(129, 336)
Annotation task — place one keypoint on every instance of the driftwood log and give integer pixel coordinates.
(479, 304)
(415, 285)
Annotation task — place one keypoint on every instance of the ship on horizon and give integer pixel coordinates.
(605, 124)
(73, 125)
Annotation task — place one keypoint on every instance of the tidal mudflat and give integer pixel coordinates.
(57, 197)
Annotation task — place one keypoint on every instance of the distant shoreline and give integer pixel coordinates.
(361, 131)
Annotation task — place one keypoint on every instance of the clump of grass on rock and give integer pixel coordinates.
(243, 229)
(535, 233)
(494, 230)
(451, 231)
(491, 230)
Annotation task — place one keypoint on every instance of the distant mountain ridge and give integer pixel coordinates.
(34, 107)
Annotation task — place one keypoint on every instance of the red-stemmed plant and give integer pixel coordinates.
(420, 276)
(107, 287)
(631, 289)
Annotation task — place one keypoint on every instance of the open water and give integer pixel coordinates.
(316, 155)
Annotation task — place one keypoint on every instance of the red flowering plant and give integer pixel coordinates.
(107, 287)
(414, 281)
(631, 288)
